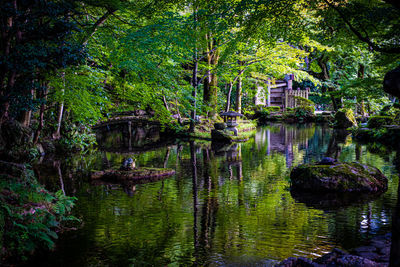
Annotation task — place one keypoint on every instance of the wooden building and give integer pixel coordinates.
(280, 93)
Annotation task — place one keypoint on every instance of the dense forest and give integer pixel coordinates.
(66, 66)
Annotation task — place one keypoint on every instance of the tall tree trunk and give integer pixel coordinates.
(5, 47)
(177, 111)
(228, 97)
(361, 73)
(194, 81)
(6, 104)
(57, 133)
(211, 81)
(39, 129)
(239, 94)
(25, 115)
(194, 94)
(7, 86)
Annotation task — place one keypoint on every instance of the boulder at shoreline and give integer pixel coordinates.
(338, 177)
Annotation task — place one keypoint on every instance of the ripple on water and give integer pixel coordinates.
(232, 213)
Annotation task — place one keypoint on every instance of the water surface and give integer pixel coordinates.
(224, 206)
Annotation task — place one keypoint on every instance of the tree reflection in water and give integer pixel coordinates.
(224, 205)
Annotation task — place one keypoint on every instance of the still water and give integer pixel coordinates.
(224, 206)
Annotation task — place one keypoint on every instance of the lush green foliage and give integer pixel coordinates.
(303, 102)
(142, 56)
(31, 215)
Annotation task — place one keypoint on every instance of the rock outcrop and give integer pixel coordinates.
(391, 82)
(338, 178)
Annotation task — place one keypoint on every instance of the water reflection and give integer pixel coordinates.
(395, 245)
(225, 205)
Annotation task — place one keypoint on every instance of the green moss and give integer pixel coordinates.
(341, 177)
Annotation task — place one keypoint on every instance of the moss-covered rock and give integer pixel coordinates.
(226, 136)
(222, 136)
(345, 118)
(340, 177)
(135, 174)
(379, 121)
(220, 125)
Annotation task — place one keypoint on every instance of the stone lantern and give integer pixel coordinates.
(230, 118)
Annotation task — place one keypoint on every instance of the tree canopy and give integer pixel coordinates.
(88, 59)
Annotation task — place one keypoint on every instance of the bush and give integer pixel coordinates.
(304, 113)
(31, 216)
(385, 110)
(77, 139)
(344, 118)
(262, 108)
(379, 121)
(248, 113)
(303, 102)
(298, 114)
(273, 108)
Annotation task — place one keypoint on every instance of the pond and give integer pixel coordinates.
(224, 206)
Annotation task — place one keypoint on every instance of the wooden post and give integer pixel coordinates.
(269, 93)
(286, 99)
(289, 79)
(130, 135)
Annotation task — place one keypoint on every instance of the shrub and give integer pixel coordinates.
(304, 112)
(385, 110)
(31, 214)
(344, 118)
(261, 108)
(298, 114)
(379, 121)
(303, 102)
(77, 139)
(273, 108)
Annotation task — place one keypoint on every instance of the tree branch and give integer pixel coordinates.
(98, 23)
(365, 39)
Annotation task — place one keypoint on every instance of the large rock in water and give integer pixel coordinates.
(345, 119)
(391, 82)
(221, 136)
(340, 177)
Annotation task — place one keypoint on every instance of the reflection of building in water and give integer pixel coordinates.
(284, 139)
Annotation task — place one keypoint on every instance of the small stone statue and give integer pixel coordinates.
(128, 164)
